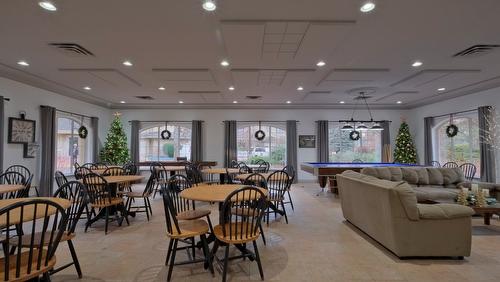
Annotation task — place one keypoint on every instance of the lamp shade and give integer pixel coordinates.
(347, 126)
(362, 126)
(377, 126)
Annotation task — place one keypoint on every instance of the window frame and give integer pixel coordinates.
(338, 126)
(177, 138)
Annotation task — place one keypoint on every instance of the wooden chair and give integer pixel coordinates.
(450, 165)
(100, 197)
(290, 170)
(28, 177)
(14, 178)
(435, 164)
(114, 171)
(277, 185)
(245, 169)
(263, 167)
(183, 231)
(256, 179)
(99, 166)
(37, 256)
(234, 164)
(131, 169)
(89, 166)
(60, 178)
(238, 230)
(469, 170)
(81, 171)
(131, 196)
(156, 169)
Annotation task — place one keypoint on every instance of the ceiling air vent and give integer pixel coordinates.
(144, 97)
(72, 49)
(477, 50)
(253, 97)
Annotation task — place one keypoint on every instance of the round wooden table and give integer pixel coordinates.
(123, 178)
(28, 210)
(8, 188)
(221, 172)
(212, 193)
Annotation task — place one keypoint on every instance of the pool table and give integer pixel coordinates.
(325, 170)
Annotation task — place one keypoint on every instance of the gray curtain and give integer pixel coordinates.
(230, 149)
(134, 140)
(196, 141)
(428, 146)
(48, 129)
(94, 123)
(322, 129)
(487, 151)
(386, 142)
(291, 144)
(2, 120)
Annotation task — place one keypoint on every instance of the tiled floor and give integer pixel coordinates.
(317, 245)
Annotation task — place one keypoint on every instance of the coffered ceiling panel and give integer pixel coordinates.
(407, 96)
(428, 76)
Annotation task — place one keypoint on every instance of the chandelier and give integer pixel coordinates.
(356, 125)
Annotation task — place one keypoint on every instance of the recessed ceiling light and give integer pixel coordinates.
(342, 102)
(416, 64)
(224, 63)
(320, 63)
(87, 88)
(209, 5)
(367, 7)
(288, 102)
(23, 63)
(161, 88)
(181, 102)
(441, 89)
(300, 88)
(128, 63)
(122, 102)
(235, 102)
(47, 5)
(231, 88)
(399, 102)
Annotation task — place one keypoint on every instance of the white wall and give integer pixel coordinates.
(214, 129)
(27, 98)
(416, 116)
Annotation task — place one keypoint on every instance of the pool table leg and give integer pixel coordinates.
(322, 181)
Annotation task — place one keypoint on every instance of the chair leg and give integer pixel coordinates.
(75, 258)
(107, 219)
(193, 249)
(172, 262)
(146, 207)
(284, 211)
(210, 224)
(267, 216)
(262, 234)
(170, 243)
(46, 277)
(150, 208)
(124, 213)
(208, 256)
(226, 260)
(257, 258)
(290, 199)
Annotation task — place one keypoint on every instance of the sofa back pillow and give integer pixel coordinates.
(410, 175)
(452, 175)
(435, 176)
(423, 176)
(396, 173)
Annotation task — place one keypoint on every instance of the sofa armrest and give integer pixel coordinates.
(443, 211)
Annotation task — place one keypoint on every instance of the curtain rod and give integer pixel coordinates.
(71, 113)
(156, 121)
(455, 113)
(263, 121)
(342, 121)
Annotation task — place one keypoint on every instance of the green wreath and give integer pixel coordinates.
(83, 132)
(354, 135)
(451, 130)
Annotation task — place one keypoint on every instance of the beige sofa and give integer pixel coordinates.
(388, 212)
(430, 183)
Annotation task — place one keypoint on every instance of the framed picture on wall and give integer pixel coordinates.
(30, 150)
(307, 141)
(21, 131)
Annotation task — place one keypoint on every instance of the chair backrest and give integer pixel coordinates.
(76, 165)
(99, 166)
(131, 169)
(150, 185)
(60, 178)
(277, 183)
(193, 174)
(114, 171)
(89, 166)
(176, 184)
(234, 164)
(263, 167)
(435, 164)
(30, 255)
(73, 191)
(81, 171)
(256, 179)
(450, 165)
(357, 161)
(469, 170)
(245, 169)
(290, 170)
(22, 170)
(249, 201)
(170, 211)
(14, 178)
(97, 189)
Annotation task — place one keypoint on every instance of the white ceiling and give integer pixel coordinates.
(272, 47)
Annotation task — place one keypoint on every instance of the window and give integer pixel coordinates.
(70, 147)
(271, 149)
(153, 148)
(463, 148)
(342, 149)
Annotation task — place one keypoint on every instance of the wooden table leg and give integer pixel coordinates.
(487, 217)
(322, 181)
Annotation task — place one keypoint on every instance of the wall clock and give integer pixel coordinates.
(21, 131)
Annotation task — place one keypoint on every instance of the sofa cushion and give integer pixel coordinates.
(384, 173)
(410, 175)
(408, 199)
(452, 175)
(423, 176)
(441, 211)
(396, 174)
(372, 171)
(435, 176)
(436, 193)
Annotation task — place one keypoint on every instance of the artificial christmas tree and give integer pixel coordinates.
(115, 149)
(405, 151)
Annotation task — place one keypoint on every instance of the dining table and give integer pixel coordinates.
(9, 188)
(222, 172)
(28, 212)
(173, 169)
